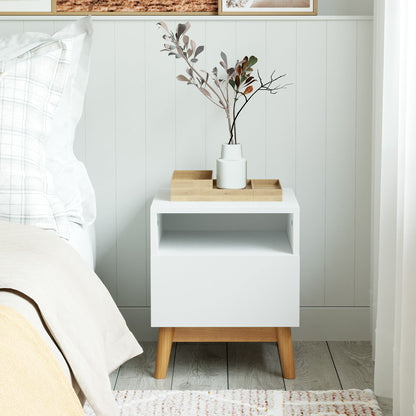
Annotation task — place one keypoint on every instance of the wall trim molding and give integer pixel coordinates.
(317, 324)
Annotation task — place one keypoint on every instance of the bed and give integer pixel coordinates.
(83, 241)
(52, 304)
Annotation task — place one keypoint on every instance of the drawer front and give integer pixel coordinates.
(225, 291)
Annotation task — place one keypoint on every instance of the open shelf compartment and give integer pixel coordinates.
(225, 234)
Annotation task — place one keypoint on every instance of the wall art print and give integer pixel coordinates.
(155, 7)
(267, 7)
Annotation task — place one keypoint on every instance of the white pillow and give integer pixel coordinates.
(31, 87)
(70, 178)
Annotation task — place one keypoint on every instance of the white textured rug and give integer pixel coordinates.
(245, 403)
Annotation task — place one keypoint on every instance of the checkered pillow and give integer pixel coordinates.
(31, 87)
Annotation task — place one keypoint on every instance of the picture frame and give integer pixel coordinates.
(268, 7)
(54, 8)
(27, 7)
(147, 8)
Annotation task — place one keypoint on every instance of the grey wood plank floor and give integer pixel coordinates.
(217, 366)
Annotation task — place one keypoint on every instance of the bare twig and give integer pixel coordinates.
(262, 87)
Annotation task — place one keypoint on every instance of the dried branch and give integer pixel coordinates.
(217, 89)
(268, 86)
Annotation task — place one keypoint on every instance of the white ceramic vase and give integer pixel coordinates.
(231, 168)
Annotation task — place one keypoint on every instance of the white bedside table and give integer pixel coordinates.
(224, 272)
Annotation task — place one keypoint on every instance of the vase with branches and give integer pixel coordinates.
(229, 87)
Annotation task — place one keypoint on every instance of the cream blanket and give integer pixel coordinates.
(76, 306)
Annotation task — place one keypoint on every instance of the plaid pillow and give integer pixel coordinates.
(31, 87)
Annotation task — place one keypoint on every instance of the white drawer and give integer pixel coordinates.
(225, 291)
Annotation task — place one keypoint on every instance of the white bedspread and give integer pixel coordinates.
(75, 305)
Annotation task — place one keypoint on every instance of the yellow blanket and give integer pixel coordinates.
(31, 380)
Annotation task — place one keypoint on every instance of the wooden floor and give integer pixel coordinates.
(204, 366)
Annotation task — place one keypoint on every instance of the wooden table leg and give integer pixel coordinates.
(284, 342)
(164, 346)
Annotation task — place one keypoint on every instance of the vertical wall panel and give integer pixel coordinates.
(160, 116)
(38, 26)
(160, 111)
(310, 157)
(363, 163)
(221, 35)
(251, 124)
(190, 108)
(101, 148)
(340, 163)
(130, 79)
(140, 123)
(10, 28)
(60, 24)
(281, 56)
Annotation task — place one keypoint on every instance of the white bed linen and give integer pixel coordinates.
(77, 308)
(82, 239)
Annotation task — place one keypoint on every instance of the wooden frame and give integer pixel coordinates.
(54, 12)
(130, 13)
(311, 10)
(282, 335)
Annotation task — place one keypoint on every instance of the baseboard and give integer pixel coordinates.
(317, 324)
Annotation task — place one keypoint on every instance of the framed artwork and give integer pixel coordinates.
(14, 7)
(267, 7)
(140, 7)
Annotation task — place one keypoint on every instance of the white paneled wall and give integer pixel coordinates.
(140, 124)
